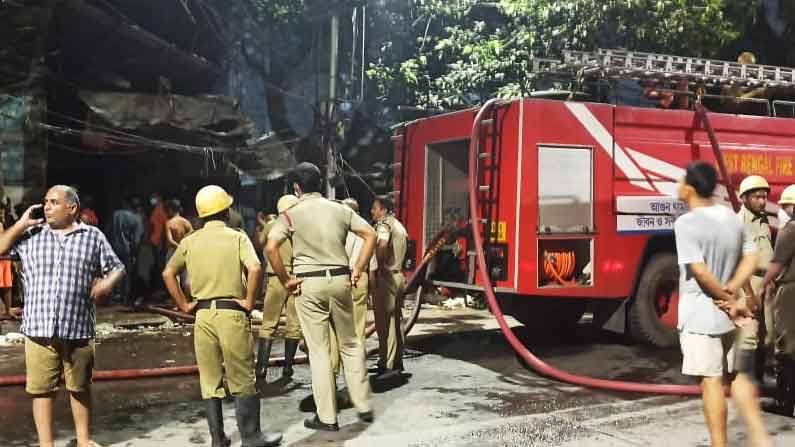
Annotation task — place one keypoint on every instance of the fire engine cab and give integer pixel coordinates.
(577, 183)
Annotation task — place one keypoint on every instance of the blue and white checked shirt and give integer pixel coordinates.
(58, 273)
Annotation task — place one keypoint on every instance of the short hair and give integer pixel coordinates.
(351, 203)
(221, 215)
(70, 194)
(703, 177)
(174, 205)
(307, 176)
(386, 203)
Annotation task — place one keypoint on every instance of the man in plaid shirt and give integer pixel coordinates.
(67, 266)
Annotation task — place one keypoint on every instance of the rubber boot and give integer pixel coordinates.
(263, 356)
(784, 403)
(290, 346)
(215, 420)
(247, 413)
(788, 398)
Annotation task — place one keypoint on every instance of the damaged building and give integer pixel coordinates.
(129, 97)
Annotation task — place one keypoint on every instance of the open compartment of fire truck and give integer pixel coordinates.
(446, 202)
(565, 262)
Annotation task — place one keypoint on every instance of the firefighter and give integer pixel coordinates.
(754, 190)
(276, 299)
(216, 257)
(782, 271)
(353, 247)
(389, 285)
(323, 278)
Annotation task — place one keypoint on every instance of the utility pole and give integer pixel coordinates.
(331, 156)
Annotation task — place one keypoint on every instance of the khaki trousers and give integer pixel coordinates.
(276, 300)
(748, 336)
(388, 302)
(325, 301)
(784, 317)
(224, 344)
(359, 320)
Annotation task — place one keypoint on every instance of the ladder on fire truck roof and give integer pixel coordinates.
(644, 65)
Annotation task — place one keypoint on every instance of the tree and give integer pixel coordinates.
(459, 53)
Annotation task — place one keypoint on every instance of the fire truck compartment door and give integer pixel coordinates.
(565, 201)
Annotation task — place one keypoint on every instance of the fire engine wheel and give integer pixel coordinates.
(653, 313)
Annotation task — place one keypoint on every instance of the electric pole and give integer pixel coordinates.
(331, 156)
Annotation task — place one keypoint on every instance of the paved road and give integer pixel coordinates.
(465, 389)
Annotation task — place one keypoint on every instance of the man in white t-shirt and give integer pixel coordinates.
(716, 257)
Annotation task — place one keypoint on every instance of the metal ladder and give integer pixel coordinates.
(709, 71)
(399, 172)
(487, 167)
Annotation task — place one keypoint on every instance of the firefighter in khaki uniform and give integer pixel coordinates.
(318, 228)
(277, 299)
(353, 247)
(390, 284)
(216, 257)
(782, 271)
(753, 192)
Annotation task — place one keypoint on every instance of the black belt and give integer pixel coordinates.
(220, 303)
(339, 271)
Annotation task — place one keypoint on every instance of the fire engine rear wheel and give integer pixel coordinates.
(653, 313)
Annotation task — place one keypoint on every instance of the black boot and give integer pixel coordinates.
(785, 390)
(788, 399)
(263, 356)
(247, 412)
(290, 346)
(215, 419)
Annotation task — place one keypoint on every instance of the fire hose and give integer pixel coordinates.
(415, 281)
(529, 358)
(556, 265)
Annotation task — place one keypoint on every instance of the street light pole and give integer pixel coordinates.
(331, 158)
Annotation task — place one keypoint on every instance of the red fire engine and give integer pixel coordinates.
(579, 194)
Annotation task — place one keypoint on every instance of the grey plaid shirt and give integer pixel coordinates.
(58, 273)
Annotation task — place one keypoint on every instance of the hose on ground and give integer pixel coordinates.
(414, 283)
(529, 358)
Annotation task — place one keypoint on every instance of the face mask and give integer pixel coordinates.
(153, 201)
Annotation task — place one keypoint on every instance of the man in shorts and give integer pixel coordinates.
(716, 258)
(59, 322)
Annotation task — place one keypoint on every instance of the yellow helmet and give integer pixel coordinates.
(212, 199)
(746, 57)
(787, 196)
(753, 182)
(286, 202)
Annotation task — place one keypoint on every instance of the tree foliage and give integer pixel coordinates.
(454, 53)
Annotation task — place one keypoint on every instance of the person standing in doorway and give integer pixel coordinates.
(60, 315)
(126, 234)
(716, 258)
(157, 238)
(177, 227)
(6, 270)
(216, 258)
(318, 229)
(390, 284)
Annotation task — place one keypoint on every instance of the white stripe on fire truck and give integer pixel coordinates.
(667, 170)
(605, 140)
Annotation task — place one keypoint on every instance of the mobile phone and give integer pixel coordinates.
(37, 213)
